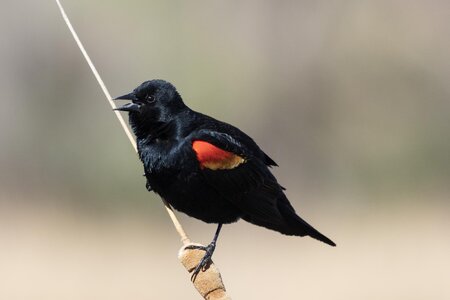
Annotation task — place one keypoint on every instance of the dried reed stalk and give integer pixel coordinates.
(184, 239)
(210, 284)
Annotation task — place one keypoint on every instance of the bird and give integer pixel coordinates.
(206, 168)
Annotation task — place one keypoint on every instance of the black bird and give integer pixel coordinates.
(206, 168)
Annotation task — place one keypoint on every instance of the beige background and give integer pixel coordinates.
(351, 98)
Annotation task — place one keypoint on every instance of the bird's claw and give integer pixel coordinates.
(205, 261)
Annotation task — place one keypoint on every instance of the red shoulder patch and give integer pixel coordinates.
(214, 158)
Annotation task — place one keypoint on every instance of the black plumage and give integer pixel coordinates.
(230, 182)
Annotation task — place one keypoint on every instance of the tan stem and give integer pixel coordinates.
(184, 239)
(210, 284)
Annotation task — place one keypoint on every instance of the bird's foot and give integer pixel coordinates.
(209, 250)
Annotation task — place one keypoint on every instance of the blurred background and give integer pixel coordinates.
(351, 98)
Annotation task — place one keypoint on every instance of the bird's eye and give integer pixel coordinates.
(149, 99)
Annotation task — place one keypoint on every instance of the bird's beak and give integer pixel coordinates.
(130, 96)
(129, 106)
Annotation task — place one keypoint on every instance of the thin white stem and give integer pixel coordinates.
(184, 239)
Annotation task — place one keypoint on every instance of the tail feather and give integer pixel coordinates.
(270, 208)
(293, 226)
(298, 226)
(312, 232)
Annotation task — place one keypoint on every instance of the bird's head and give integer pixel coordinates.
(153, 102)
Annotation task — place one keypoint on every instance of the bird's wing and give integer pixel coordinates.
(221, 151)
(236, 169)
(269, 162)
(235, 141)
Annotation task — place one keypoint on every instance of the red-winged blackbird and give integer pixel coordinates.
(205, 168)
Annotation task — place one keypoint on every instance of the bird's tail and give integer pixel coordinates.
(298, 226)
(278, 215)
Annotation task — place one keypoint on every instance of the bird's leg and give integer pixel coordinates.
(209, 250)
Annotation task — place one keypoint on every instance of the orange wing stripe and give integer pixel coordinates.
(214, 158)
